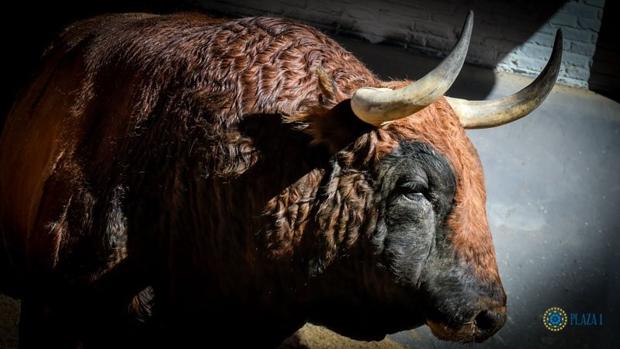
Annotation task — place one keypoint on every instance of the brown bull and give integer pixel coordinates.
(206, 178)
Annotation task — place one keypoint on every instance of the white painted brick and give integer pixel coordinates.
(439, 43)
(564, 19)
(295, 3)
(523, 63)
(582, 10)
(408, 12)
(548, 29)
(533, 50)
(577, 35)
(575, 72)
(542, 39)
(594, 38)
(577, 60)
(582, 48)
(597, 3)
(434, 28)
(451, 20)
(361, 13)
(500, 45)
(583, 83)
(590, 24)
(482, 56)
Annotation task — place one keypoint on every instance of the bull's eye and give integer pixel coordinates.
(413, 191)
(414, 196)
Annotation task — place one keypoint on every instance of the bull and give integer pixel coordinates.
(184, 176)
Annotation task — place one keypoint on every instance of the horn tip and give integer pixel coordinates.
(558, 43)
(469, 20)
(559, 35)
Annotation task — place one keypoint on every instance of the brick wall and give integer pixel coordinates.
(580, 21)
(511, 36)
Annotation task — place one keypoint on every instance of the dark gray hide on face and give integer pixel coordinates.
(417, 187)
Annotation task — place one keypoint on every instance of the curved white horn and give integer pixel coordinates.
(378, 105)
(491, 113)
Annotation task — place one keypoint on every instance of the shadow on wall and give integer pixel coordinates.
(29, 26)
(605, 71)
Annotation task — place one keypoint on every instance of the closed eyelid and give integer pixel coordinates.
(417, 181)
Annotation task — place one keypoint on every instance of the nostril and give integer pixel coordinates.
(489, 320)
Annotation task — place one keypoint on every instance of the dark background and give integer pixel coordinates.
(605, 73)
(27, 27)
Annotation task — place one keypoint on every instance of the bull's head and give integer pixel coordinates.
(417, 177)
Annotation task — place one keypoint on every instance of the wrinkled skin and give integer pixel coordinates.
(414, 261)
(196, 178)
(416, 191)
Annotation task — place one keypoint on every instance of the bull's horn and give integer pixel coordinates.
(378, 105)
(481, 114)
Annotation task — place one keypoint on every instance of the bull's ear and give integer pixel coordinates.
(329, 90)
(332, 122)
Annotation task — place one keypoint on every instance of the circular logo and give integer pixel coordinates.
(555, 319)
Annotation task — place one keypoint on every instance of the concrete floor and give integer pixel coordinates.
(553, 183)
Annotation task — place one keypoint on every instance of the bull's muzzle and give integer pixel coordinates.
(486, 322)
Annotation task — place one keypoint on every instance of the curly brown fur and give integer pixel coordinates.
(215, 158)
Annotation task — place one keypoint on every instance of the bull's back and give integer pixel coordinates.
(108, 80)
(33, 142)
(40, 135)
